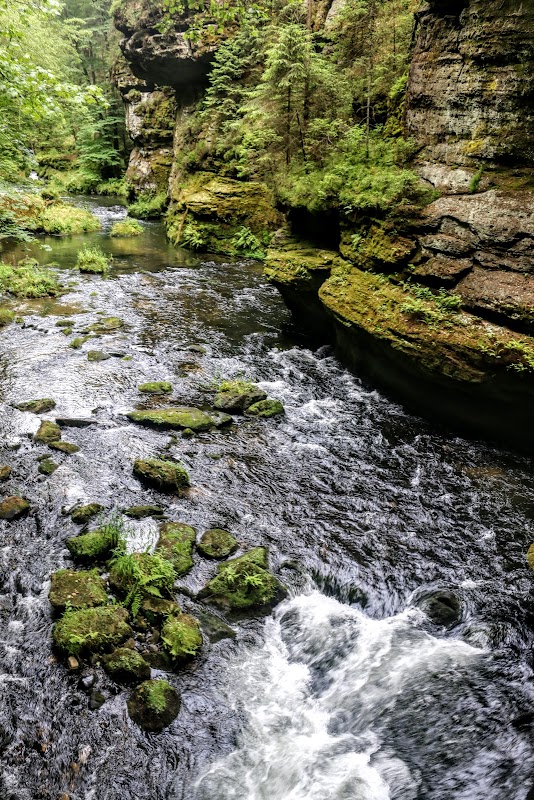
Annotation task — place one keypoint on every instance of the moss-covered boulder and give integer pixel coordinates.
(96, 356)
(48, 432)
(83, 514)
(13, 507)
(125, 665)
(40, 406)
(153, 705)
(244, 583)
(181, 637)
(176, 417)
(157, 608)
(155, 387)
(5, 472)
(237, 396)
(176, 542)
(64, 447)
(91, 630)
(217, 543)
(142, 512)
(265, 408)
(165, 475)
(77, 589)
(145, 574)
(47, 466)
(96, 544)
(106, 325)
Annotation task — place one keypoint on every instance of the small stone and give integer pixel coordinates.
(13, 507)
(217, 543)
(155, 387)
(48, 432)
(141, 512)
(157, 608)
(214, 627)
(443, 608)
(97, 355)
(37, 406)
(83, 514)
(244, 583)
(79, 341)
(87, 682)
(47, 466)
(106, 325)
(265, 408)
(96, 544)
(75, 422)
(153, 705)
(5, 472)
(64, 447)
(72, 663)
(165, 475)
(65, 323)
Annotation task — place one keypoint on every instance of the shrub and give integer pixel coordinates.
(127, 227)
(148, 206)
(92, 259)
(192, 237)
(28, 279)
(60, 218)
(247, 244)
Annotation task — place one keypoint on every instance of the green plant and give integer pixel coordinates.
(92, 259)
(246, 243)
(28, 280)
(148, 206)
(192, 237)
(141, 574)
(126, 227)
(475, 180)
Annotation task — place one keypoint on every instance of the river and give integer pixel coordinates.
(348, 691)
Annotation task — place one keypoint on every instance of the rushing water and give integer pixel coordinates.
(347, 691)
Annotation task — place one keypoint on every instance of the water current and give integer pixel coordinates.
(348, 691)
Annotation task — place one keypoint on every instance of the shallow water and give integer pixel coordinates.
(348, 690)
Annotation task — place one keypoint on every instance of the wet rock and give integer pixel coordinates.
(176, 417)
(141, 512)
(165, 475)
(187, 433)
(79, 341)
(77, 589)
(47, 466)
(106, 325)
(126, 666)
(37, 406)
(75, 422)
(158, 660)
(153, 705)
(214, 627)
(265, 408)
(97, 355)
(176, 542)
(443, 608)
(64, 447)
(5, 472)
(13, 507)
(83, 514)
(91, 630)
(243, 583)
(96, 544)
(181, 637)
(237, 396)
(155, 387)
(73, 664)
(65, 323)
(217, 543)
(157, 608)
(48, 432)
(96, 700)
(87, 682)
(197, 348)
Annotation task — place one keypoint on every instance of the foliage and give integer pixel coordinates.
(430, 307)
(6, 317)
(247, 244)
(148, 206)
(63, 219)
(92, 259)
(141, 574)
(475, 180)
(28, 280)
(126, 227)
(193, 236)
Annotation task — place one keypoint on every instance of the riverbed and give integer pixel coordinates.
(347, 691)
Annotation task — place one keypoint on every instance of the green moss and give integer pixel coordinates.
(93, 260)
(153, 705)
(242, 583)
(83, 514)
(47, 467)
(141, 512)
(13, 507)
(106, 325)
(126, 227)
(37, 406)
(176, 542)
(237, 396)
(60, 218)
(28, 280)
(97, 355)
(5, 472)
(377, 248)
(137, 575)
(64, 447)
(181, 636)
(77, 589)
(96, 544)
(91, 630)
(155, 387)
(176, 417)
(126, 666)
(265, 408)
(48, 432)
(79, 341)
(164, 475)
(217, 543)
(6, 317)
(530, 556)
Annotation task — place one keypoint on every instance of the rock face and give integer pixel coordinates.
(471, 85)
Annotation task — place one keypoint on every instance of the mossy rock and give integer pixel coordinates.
(13, 507)
(48, 432)
(181, 637)
(96, 544)
(237, 396)
(47, 466)
(83, 514)
(157, 608)
(139, 570)
(106, 325)
(77, 589)
(155, 387)
(164, 475)
(530, 556)
(97, 355)
(153, 705)
(242, 584)
(125, 665)
(5, 472)
(142, 512)
(176, 542)
(176, 417)
(92, 630)
(217, 543)
(265, 408)
(79, 341)
(37, 406)
(64, 447)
